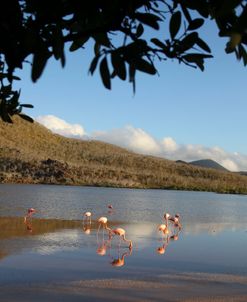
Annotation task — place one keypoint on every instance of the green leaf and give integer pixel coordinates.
(197, 59)
(27, 105)
(39, 62)
(228, 6)
(102, 39)
(175, 23)
(148, 19)
(157, 42)
(144, 66)
(93, 64)
(192, 57)
(189, 41)
(105, 74)
(132, 80)
(3, 75)
(119, 65)
(97, 47)
(139, 30)
(203, 45)
(242, 54)
(26, 117)
(78, 43)
(185, 12)
(6, 118)
(57, 43)
(195, 24)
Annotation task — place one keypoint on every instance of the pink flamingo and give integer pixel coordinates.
(87, 217)
(166, 216)
(176, 221)
(121, 233)
(29, 214)
(103, 223)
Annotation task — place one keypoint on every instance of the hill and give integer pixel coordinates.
(30, 153)
(208, 163)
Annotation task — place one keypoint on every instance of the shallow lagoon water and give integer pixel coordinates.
(58, 260)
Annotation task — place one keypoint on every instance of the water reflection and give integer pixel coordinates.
(29, 226)
(170, 231)
(120, 260)
(174, 236)
(108, 248)
(87, 229)
(103, 246)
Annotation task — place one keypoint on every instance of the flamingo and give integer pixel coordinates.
(87, 216)
(176, 221)
(103, 222)
(166, 216)
(29, 214)
(121, 233)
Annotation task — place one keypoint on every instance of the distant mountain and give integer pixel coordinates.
(30, 153)
(208, 163)
(181, 162)
(242, 173)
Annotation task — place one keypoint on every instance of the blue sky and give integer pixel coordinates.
(181, 114)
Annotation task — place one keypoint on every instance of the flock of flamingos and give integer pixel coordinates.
(169, 229)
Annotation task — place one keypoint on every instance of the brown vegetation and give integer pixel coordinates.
(30, 153)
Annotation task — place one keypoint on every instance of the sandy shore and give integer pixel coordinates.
(186, 287)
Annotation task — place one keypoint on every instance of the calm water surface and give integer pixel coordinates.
(56, 247)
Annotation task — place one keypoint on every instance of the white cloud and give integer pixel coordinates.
(129, 137)
(169, 144)
(137, 140)
(59, 126)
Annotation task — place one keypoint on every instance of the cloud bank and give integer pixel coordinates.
(137, 140)
(61, 127)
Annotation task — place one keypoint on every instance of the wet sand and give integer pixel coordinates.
(186, 287)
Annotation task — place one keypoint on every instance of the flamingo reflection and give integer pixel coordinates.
(29, 226)
(103, 247)
(163, 228)
(87, 229)
(174, 236)
(162, 249)
(120, 261)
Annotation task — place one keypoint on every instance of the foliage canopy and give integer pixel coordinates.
(40, 30)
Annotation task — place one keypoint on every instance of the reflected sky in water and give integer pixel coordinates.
(58, 246)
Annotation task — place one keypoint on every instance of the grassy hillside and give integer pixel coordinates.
(30, 153)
